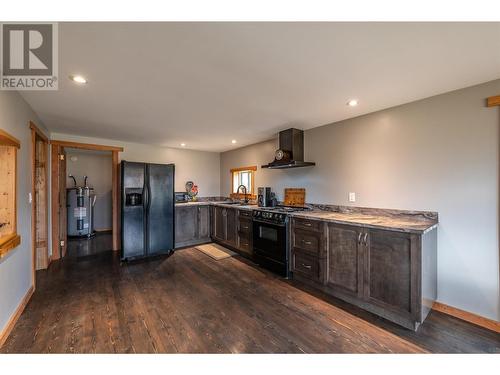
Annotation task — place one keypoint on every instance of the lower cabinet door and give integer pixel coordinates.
(186, 228)
(219, 223)
(344, 263)
(231, 226)
(389, 277)
(203, 223)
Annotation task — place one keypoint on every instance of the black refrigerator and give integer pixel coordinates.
(147, 209)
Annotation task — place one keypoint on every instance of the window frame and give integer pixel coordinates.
(11, 240)
(252, 170)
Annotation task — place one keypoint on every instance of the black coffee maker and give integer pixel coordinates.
(264, 197)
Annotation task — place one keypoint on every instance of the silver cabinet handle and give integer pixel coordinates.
(365, 239)
(307, 224)
(306, 242)
(359, 238)
(307, 266)
(245, 227)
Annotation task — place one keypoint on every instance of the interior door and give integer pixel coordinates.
(40, 194)
(160, 208)
(63, 209)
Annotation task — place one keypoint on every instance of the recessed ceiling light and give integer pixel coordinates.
(78, 79)
(352, 103)
(183, 144)
(233, 141)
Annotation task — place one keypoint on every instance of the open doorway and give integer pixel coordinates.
(84, 198)
(89, 218)
(40, 198)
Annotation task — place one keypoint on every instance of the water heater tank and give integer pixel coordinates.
(80, 202)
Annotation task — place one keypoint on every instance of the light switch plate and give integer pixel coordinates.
(352, 197)
(30, 198)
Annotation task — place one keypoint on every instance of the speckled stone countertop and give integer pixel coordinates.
(198, 203)
(396, 220)
(248, 207)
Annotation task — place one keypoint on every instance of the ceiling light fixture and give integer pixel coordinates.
(78, 79)
(352, 103)
(233, 141)
(183, 144)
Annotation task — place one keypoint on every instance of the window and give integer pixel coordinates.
(8, 172)
(243, 176)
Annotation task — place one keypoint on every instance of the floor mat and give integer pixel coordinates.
(215, 251)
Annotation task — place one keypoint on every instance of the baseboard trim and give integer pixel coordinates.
(478, 320)
(14, 318)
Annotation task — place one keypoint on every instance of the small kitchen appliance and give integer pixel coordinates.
(264, 197)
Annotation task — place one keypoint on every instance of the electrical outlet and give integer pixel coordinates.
(352, 197)
(30, 198)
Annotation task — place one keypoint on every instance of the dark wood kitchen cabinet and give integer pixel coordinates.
(392, 272)
(307, 249)
(219, 223)
(192, 225)
(232, 227)
(389, 273)
(245, 232)
(224, 225)
(344, 263)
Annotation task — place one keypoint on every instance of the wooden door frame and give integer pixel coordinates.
(36, 132)
(56, 148)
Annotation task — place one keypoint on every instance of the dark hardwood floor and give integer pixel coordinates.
(190, 303)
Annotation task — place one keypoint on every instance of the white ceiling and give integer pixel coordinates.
(208, 83)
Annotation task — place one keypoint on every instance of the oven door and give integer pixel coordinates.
(270, 245)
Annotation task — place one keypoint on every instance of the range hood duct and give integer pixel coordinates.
(291, 151)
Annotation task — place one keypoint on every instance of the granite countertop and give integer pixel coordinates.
(247, 207)
(206, 203)
(218, 203)
(396, 220)
(409, 223)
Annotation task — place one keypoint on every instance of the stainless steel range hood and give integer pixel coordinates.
(291, 151)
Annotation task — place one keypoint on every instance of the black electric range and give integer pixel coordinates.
(270, 237)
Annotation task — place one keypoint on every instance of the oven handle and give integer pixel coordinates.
(268, 223)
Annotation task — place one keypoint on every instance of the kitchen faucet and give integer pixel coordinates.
(238, 190)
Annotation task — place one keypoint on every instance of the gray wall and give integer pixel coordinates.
(97, 165)
(16, 267)
(439, 154)
(199, 166)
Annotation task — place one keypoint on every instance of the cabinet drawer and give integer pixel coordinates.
(245, 225)
(244, 213)
(308, 224)
(306, 266)
(308, 241)
(245, 243)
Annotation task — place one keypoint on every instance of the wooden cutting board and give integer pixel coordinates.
(295, 197)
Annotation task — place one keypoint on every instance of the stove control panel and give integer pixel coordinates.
(270, 216)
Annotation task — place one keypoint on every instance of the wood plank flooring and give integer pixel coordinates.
(190, 303)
